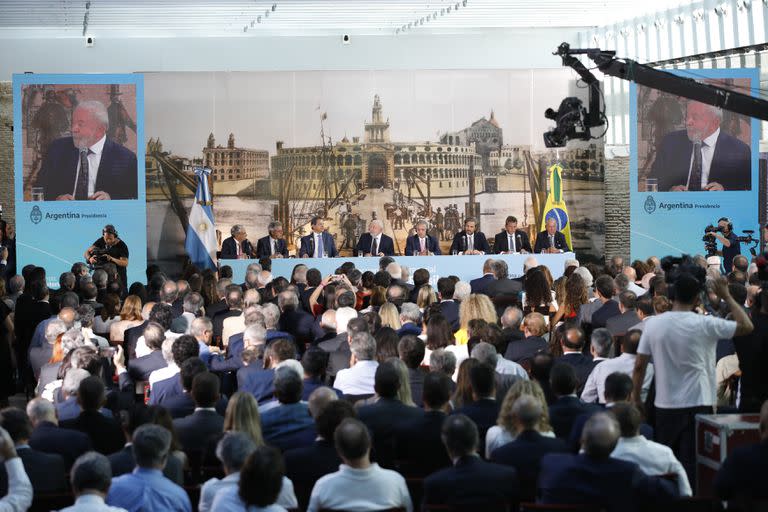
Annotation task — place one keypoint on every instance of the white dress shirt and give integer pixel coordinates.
(594, 387)
(653, 458)
(91, 503)
(363, 490)
(223, 495)
(317, 237)
(707, 153)
(19, 496)
(497, 436)
(357, 380)
(507, 367)
(163, 373)
(94, 159)
(141, 346)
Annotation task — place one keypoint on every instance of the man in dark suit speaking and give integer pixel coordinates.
(273, 245)
(319, 243)
(551, 240)
(470, 241)
(237, 246)
(512, 240)
(88, 165)
(374, 242)
(702, 157)
(421, 244)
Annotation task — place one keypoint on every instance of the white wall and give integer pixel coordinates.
(479, 49)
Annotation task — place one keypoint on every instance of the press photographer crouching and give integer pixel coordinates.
(109, 249)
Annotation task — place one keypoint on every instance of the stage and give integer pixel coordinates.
(465, 267)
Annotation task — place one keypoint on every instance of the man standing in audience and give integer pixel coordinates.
(105, 433)
(512, 240)
(479, 284)
(502, 285)
(654, 459)
(470, 481)
(448, 307)
(359, 484)
(620, 324)
(359, 379)
(192, 306)
(484, 408)
(470, 241)
(682, 344)
(146, 488)
(572, 345)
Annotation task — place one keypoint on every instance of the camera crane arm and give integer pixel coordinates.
(633, 71)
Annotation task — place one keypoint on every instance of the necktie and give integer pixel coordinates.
(695, 182)
(239, 249)
(552, 241)
(511, 244)
(274, 247)
(423, 247)
(375, 247)
(81, 192)
(320, 251)
(469, 242)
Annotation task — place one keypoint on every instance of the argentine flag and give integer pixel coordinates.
(201, 231)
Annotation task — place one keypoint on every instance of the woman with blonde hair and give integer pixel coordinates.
(504, 431)
(130, 316)
(426, 297)
(389, 316)
(476, 306)
(404, 391)
(242, 415)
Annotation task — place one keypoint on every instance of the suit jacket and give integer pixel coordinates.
(233, 360)
(338, 348)
(195, 430)
(564, 412)
(542, 242)
(130, 337)
(524, 454)
(301, 325)
(282, 424)
(70, 444)
(308, 245)
(419, 447)
(608, 310)
(416, 378)
(480, 243)
(386, 245)
(116, 175)
(523, 350)
(619, 325)
(472, 482)
(378, 417)
(479, 285)
(412, 245)
(615, 484)
(450, 310)
(484, 413)
(105, 433)
(181, 406)
(122, 462)
(522, 242)
(508, 287)
(257, 381)
(218, 321)
(46, 471)
(163, 390)
(140, 368)
(264, 247)
(229, 249)
(581, 363)
(731, 163)
(216, 307)
(306, 464)
(409, 328)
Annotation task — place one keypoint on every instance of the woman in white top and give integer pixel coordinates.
(130, 316)
(440, 335)
(109, 314)
(504, 432)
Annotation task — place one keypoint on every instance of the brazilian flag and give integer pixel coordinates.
(555, 207)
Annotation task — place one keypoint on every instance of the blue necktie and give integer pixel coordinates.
(81, 190)
(320, 246)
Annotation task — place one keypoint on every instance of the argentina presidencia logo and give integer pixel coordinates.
(650, 205)
(36, 215)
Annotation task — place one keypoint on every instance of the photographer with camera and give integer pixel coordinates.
(724, 234)
(109, 249)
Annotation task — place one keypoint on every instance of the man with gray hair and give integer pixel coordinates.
(288, 423)
(254, 331)
(375, 242)
(462, 291)
(91, 478)
(146, 488)
(192, 308)
(506, 372)
(410, 319)
(273, 245)
(232, 451)
(502, 285)
(15, 288)
(87, 164)
(140, 368)
(202, 330)
(702, 156)
(237, 246)
(443, 361)
(296, 322)
(48, 437)
(420, 243)
(593, 477)
(478, 285)
(358, 379)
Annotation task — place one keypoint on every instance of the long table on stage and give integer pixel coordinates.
(465, 267)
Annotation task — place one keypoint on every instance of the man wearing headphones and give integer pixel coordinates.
(731, 245)
(109, 249)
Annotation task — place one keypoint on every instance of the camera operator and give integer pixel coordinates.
(109, 249)
(731, 245)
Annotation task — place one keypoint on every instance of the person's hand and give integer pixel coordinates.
(721, 288)
(714, 187)
(214, 349)
(7, 448)
(100, 195)
(92, 260)
(66, 197)
(119, 358)
(10, 231)
(3, 253)
(679, 188)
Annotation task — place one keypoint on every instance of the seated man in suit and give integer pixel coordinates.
(48, 437)
(140, 368)
(567, 407)
(572, 344)
(380, 417)
(319, 243)
(702, 157)
(374, 242)
(237, 246)
(512, 240)
(358, 484)
(522, 351)
(470, 241)
(484, 409)
(502, 284)
(46, 471)
(197, 429)
(146, 488)
(551, 240)
(421, 244)
(470, 482)
(273, 245)
(105, 433)
(286, 423)
(419, 449)
(87, 164)
(257, 377)
(254, 326)
(594, 478)
(478, 285)
(449, 308)
(743, 474)
(525, 452)
(604, 289)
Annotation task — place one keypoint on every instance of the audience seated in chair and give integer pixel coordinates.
(48, 437)
(91, 478)
(105, 433)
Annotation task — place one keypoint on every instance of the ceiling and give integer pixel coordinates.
(201, 18)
